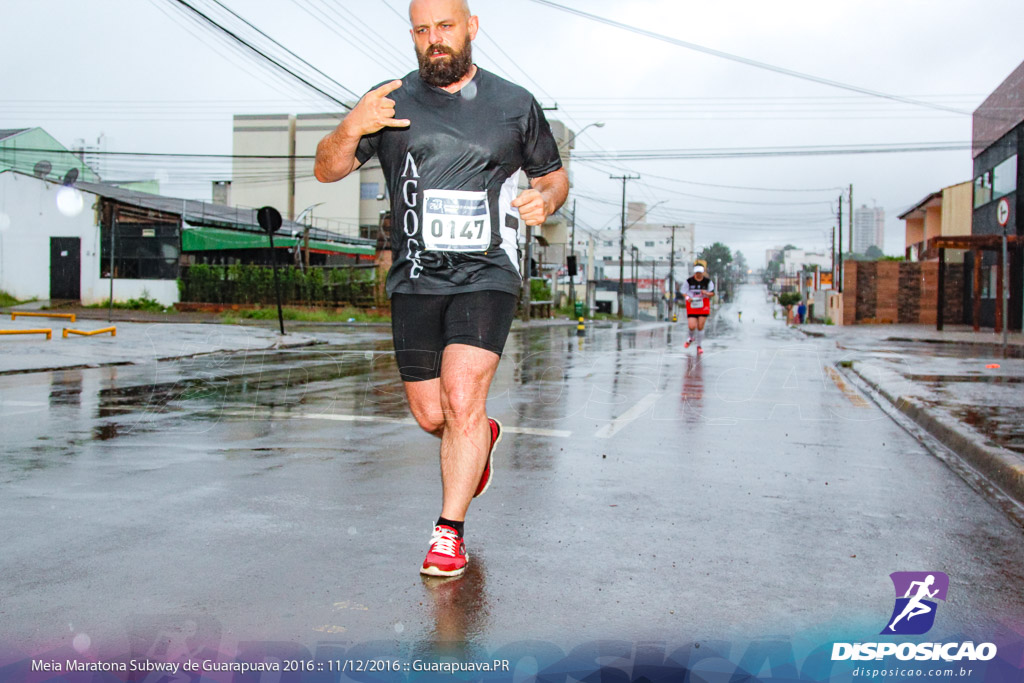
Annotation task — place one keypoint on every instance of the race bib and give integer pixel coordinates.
(456, 220)
(696, 294)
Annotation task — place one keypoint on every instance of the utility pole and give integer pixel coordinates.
(672, 274)
(622, 236)
(572, 253)
(851, 218)
(635, 269)
(833, 258)
(840, 243)
(654, 263)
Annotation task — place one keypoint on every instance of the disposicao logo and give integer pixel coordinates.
(914, 614)
(916, 595)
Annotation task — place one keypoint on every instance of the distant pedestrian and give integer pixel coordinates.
(801, 313)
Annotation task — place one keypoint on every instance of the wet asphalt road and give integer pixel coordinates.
(639, 494)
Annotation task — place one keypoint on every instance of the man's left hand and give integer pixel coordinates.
(532, 208)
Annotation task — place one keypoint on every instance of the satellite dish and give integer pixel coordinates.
(269, 219)
(42, 169)
(70, 177)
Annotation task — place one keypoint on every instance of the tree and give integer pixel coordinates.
(718, 257)
(741, 266)
(874, 253)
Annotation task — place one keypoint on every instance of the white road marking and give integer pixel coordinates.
(622, 421)
(530, 431)
(358, 418)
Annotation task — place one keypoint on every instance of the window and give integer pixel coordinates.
(609, 243)
(983, 189)
(649, 244)
(369, 190)
(999, 182)
(1004, 178)
(142, 251)
(606, 258)
(989, 284)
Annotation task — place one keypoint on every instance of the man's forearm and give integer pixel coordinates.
(336, 155)
(554, 188)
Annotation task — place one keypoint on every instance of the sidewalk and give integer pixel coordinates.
(956, 384)
(135, 343)
(952, 334)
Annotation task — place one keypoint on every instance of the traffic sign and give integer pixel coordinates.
(1003, 212)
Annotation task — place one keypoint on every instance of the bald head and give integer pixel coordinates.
(460, 7)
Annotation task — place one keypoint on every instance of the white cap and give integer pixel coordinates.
(698, 269)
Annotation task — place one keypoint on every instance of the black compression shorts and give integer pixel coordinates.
(424, 324)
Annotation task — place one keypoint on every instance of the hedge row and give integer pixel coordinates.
(251, 284)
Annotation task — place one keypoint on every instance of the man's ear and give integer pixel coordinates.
(474, 26)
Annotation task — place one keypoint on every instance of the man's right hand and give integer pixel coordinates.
(374, 112)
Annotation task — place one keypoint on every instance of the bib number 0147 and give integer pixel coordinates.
(471, 230)
(456, 220)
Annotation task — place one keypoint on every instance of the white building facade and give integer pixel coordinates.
(51, 248)
(796, 260)
(650, 262)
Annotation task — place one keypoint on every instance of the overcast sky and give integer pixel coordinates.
(151, 80)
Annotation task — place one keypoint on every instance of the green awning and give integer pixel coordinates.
(217, 239)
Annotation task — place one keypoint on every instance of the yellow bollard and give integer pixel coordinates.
(48, 333)
(82, 333)
(581, 328)
(25, 314)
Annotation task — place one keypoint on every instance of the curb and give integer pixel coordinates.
(1002, 467)
(276, 346)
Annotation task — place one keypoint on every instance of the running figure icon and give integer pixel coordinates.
(915, 607)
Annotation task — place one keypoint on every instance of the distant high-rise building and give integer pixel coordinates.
(868, 229)
(92, 154)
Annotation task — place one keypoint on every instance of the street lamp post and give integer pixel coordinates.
(305, 231)
(572, 140)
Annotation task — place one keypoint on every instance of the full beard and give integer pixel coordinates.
(441, 73)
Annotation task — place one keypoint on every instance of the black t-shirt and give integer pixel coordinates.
(451, 176)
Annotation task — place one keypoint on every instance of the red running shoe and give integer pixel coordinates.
(700, 351)
(447, 555)
(687, 344)
(485, 478)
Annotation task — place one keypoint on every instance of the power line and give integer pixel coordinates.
(191, 22)
(747, 61)
(740, 153)
(264, 55)
(258, 30)
(338, 28)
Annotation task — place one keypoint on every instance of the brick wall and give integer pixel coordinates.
(885, 292)
(866, 293)
(954, 313)
(850, 292)
(909, 304)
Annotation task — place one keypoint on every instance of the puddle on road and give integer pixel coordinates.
(939, 379)
(1001, 425)
(947, 350)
